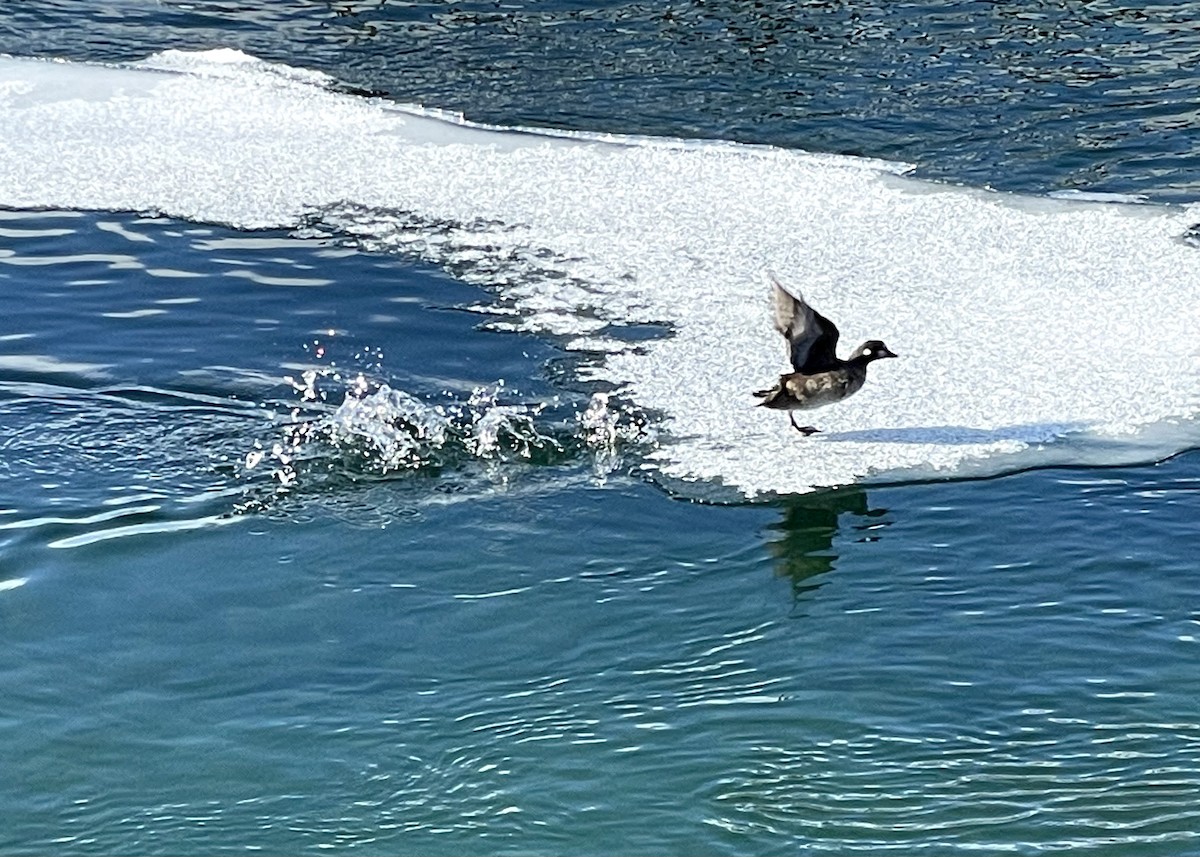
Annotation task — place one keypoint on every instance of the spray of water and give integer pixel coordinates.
(345, 431)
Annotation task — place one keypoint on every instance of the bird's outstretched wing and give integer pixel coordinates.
(811, 337)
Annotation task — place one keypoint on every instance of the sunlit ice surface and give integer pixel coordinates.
(1030, 330)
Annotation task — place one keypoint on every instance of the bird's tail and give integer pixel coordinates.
(767, 395)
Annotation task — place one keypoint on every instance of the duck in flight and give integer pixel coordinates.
(820, 377)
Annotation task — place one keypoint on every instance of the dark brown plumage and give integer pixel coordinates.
(820, 377)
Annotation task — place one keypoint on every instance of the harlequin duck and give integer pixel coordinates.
(820, 377)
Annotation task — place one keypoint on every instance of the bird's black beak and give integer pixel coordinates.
(887, 352)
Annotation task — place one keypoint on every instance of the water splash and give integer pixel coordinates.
(344, 432)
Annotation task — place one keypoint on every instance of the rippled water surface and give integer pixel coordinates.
(304, 548)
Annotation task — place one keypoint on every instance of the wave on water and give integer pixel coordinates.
(1031, 330)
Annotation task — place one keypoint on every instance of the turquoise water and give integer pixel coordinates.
(241, 614)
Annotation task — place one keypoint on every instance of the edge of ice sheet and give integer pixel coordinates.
(231, 64)
(1030, 330)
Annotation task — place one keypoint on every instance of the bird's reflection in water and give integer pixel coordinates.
(802, 541)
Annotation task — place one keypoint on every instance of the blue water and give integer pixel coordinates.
(233, 624)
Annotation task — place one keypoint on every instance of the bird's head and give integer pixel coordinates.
(873, 349)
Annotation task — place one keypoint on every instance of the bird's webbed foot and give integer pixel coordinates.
(804, 430)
